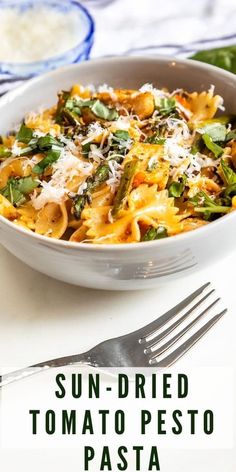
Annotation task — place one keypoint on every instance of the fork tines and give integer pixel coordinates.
(151, 336)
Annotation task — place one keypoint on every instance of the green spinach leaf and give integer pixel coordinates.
(225, 57)
(155, 233)
(25, 134)
(17, 189)
(213, 147)
(176, 189)
(216, 131)
(51, 157)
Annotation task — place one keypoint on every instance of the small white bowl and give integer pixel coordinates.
(131, 266)
(79, 53)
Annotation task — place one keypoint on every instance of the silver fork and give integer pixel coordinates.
(140, 348)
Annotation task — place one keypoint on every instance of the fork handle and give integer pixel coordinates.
(21, 374)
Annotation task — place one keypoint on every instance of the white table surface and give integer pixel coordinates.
(42, 318)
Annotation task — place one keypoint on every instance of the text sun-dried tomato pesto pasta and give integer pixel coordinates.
(120, 166)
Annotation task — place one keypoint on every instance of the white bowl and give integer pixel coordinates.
(131, 266)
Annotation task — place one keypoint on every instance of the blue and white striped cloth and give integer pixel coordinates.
(172, 27)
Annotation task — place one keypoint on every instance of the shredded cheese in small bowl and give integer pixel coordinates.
(41, 35)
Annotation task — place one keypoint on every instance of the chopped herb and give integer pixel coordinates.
(216, 131)
(17, 189)
(125, 186)
(86, 149)
(62, 98)
(204, 204)
(102, 111)
(120, 141)
(213, 147)
(75, 105)
(231, 135)
(4, 152)
(24, 134)
(166, 106)
(72, 110)
(121, 135)
(71, 117)
(51, 157)
(26, 185)
(230, 191)
(225, 57)
(176, 189)
(229, 177)
(48, 142)
(155, 139)
(228, 173)
(155, 233)
(197, 144)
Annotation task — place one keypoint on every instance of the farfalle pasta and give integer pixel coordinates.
(111, 166)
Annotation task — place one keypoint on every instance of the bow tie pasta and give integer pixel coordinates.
(111, 166)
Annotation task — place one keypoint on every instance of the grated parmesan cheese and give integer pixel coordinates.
(114, 175)
(95, 153)
(157, 93)
(49, 194)
(105, 88)
(64, 169)
(41, 31)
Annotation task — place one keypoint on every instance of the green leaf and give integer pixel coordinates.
(176, 189)
(47, 142)
(26, 185)
(76, 104)
(228, 173)
(86, 149)
(73, 108)
(121, 140)
(51, 157)
(197, 144)
(202, 199)
(216, 131)
(102, 111)
(213, 147)
(155, 139)
(70, 116)
(231, 135)
(121, 135)
(24, 134)
(4, 152)
(17, 189)
(155, 233)
(225, 57)
(230, 191)
(62, 98)
(166, 106)
(204, 204)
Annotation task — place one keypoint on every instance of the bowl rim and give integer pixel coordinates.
(179, 238)
(53, 59)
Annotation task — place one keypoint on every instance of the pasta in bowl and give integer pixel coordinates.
(110, 166)
(103, 186)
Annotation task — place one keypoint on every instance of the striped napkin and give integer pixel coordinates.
(155, 27)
